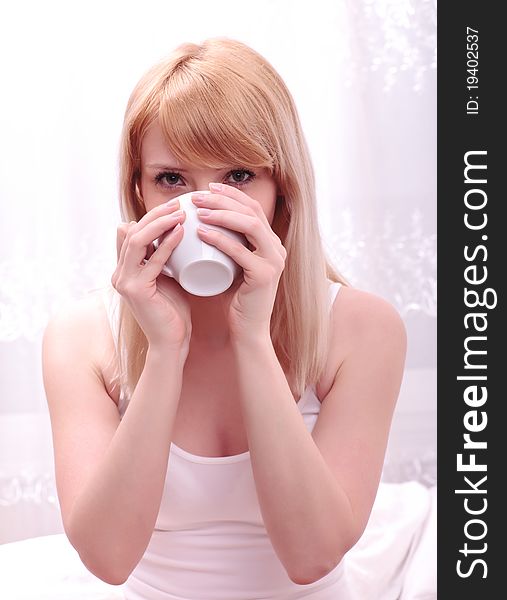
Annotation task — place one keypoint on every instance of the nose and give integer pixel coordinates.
(201, 184)
(198, 179)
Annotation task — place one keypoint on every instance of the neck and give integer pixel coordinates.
(209, 315)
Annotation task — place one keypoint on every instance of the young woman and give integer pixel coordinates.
(231, 446)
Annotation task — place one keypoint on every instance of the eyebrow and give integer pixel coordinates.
(168, 167)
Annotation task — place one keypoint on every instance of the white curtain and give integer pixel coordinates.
(363, 75)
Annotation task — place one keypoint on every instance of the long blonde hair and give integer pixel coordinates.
(221, 103)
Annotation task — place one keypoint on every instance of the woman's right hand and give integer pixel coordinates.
(158, 303)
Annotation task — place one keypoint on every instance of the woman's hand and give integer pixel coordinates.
(157, 303)
(252, 303)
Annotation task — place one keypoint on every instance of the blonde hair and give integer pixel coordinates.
(220, 104)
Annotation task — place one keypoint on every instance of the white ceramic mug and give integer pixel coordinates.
(200, 268)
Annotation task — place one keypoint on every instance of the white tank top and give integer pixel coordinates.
(209, 541)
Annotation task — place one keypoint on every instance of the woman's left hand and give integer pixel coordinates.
(252, 303)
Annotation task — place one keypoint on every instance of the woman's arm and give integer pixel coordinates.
(110, 473)
(316, 490)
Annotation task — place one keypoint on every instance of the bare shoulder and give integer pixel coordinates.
(81, 327)
(85, 316)
(361, 324)
(358, 314)
(370, 335)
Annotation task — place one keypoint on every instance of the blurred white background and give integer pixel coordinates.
(363, 75)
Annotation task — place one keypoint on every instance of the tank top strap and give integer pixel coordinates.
(334, 288)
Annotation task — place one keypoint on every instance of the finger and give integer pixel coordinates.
(154, 213)
(150, 251)
(218, 201)
(139, 240)
(241, 255)
(127, 228)
(230, 191)
(121, 245)
(254, 266)
(153, 266)
(250, 226)
(165, 208)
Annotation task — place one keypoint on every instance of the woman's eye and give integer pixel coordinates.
(167, 178)
(238, 176)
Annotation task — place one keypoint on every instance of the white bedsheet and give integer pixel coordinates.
(389, 562)
(394, 560)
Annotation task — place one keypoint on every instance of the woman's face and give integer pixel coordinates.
(164, 178)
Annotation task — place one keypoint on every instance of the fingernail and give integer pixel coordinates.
(216, 187)
(203, 211)
(173, 202)
(199, 196)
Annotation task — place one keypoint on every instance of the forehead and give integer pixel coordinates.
(154, 149)
(191, 152)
